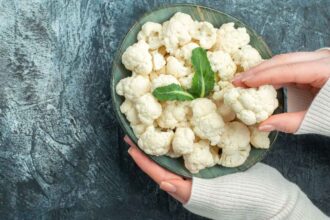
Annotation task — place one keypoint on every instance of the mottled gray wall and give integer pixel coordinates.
(61, 151)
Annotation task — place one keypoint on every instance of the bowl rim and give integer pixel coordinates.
(116, 57)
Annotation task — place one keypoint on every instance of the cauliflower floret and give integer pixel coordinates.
(133, 87)
(137, 58)
(186, 81)
(176, 31)
(205, 33)
(158, 60)
(235, 144)
(184, 53)
(128, 108)
(259, 139)
(222, 64)
(176, 68)
(230, 39)
(173, 114)
(138, 129)
(247, 57)
(148, 108)
(252, 105)
(226, 112)
(151, 33)
(155, 142)
(220, 89)
(207, 123)
(200, 158)
(172, 154)
(163, 80)
(183, 141)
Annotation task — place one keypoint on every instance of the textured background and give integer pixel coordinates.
(61, 151)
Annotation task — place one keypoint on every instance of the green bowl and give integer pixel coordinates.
(118, 72)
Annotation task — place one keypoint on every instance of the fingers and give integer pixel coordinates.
(179, 189)
(156, 172)
(286, 122)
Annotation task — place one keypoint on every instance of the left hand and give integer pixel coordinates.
(178, 187)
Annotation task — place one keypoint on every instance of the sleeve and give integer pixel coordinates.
(258, 193)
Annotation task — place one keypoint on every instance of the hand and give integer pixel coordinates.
(306, 70)
(178, 187)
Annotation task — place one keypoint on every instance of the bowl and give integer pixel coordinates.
(201, 13)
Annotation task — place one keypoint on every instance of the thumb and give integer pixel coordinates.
(178, 189)
(285, 122)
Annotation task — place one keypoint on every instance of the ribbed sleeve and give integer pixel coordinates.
(259, 193)
(317, 118)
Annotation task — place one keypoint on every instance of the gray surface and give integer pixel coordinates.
(61, 151)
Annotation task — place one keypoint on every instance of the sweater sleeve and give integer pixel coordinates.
(258, 193)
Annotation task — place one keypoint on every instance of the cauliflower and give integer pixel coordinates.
(226, 112)
(137, 58)
(230, 39)
(247, 57)
(138, 129)
(176, 31)
(183, 141)
(222, 64)
(133, 87)
(148, 108)
(173, 114)
(172, 154)
(163, 80)
(200, 158)
(220, 89)
(155, 142)
(252, 105)
(128, 108)
(158, 61)
(151, 33)
(235, 144)
(205, 33)
(176, 68)
(207, 123)
(186, 81)
(184, 53)
(259, 139)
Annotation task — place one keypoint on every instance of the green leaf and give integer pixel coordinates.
(203, 80)
(171, 92)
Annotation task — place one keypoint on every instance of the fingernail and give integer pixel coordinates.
(266, 128)
(168, 187)
(126, 139)
(245, 78)
(129, 151)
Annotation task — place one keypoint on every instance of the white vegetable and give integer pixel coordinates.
(184, 53)
(200, 158)
(230, 39)
(151, 33)
(163, 80)
(173, 114)
(148, 108)
(128, 108)
(186, 81)
(176, 68)
(183, 141)
(133, 87)
(252, 105)
(247, 57)
(222, 64)
(137, 58)
(235, 144)
(226, 112)
(176, 31)
(207, 123)
(139, 129)
(158, 60)
(155, 142)
(205, 33)
(220, 89)
(259, 139)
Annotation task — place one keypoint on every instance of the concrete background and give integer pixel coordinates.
(61, 150)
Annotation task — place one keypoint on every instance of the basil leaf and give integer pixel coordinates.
(203, 80)
(171, 92)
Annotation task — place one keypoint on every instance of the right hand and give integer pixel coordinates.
(306, 70)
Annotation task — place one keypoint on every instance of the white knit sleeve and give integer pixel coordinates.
(258, 193)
